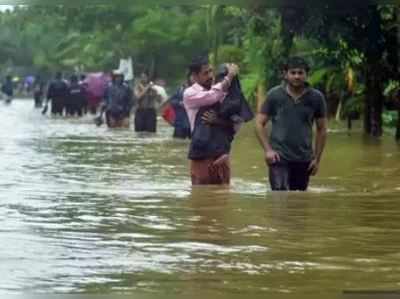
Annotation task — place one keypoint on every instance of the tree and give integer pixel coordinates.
(356, 26)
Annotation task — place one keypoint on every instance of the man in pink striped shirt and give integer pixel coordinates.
(215, 168)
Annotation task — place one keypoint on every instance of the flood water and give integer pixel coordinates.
(95, 211)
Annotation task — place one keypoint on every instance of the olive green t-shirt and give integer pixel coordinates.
(292, 122)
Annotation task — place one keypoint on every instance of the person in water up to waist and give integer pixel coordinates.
(8, 89)
(118, 99)
(147, 101)
(293, 108)
(57, 93)
(181, 123)
(76, 98)
(208, 166)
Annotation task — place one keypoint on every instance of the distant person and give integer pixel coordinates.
(8, 89)
(83, 83)
(293, 108)
(82, 79)
(57, 93)
(28, 84)
(118, 100)
(38, 91)
(76, 98)
(181, 122)
(209, 159)
(147, 101)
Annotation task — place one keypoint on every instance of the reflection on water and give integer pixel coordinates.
(91, 210)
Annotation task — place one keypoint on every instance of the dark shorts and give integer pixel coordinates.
(182, 133)
(289, 176)
(74, 109)
(146, 120)
(203, 172)
(123, 122)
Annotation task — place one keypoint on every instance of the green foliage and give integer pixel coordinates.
(390, 119)
(262, 55)
(94, 38)
(341, 43)
(391, 88)
(229, 53)
(353, 104)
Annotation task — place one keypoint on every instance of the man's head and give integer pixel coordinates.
(118, 77)
(295, 71)
(144, 78)
(201, 72)
(74, 79)
(58, 75)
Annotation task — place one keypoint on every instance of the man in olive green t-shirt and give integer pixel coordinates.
(293, 108)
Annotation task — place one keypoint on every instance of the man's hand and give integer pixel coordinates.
(272, 157)
(314, 167)
(233, 70)
(221, 160)
(210, 117)
(149, 86)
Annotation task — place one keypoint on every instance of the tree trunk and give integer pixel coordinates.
(398, 127)
(288, 29)
(152, 68)
(214, 31)
(398, 38)
(374, 100)
(374, 75)
(293, 18)
(339, 109)
(398, 71)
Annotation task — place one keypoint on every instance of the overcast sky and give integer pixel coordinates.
(5, 7)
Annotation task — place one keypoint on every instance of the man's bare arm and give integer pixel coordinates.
(320, 141)
(320, 137)
(261, 131)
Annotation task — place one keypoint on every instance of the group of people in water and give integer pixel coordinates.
(210, 108)
(111, 97)
(216, 110)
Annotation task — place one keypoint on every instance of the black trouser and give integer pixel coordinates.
(285, 176)
(38, 97)
(57, 106)
(115, 117)
(146, 120)
(74, 108)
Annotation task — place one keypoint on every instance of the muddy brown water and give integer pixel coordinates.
(91, 210)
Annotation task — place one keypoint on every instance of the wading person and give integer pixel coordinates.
(57, 93)
(8, 89)
(118, 102)
(38, 91)
(147, 101)
(293, 108)
(209, 160)
(181, 123)
(76, 98)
